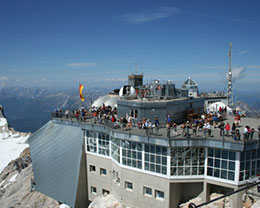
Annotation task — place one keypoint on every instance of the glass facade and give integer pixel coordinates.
(187, 161)
(132, 154)
(221, 163)
(249, 164)
(115, 149)
(103, 144)
(91, 141)
(183, 161)
(155, 159)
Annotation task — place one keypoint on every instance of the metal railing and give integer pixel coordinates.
(161, 131)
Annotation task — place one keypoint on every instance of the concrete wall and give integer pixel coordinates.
(149, 109)
(183, 192)
(132, 198)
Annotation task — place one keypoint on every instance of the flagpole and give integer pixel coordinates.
(79, 97)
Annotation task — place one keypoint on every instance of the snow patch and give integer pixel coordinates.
(13, 178)
(10, 148)
(3, 122)
(2, 182)
(64, 206)
(107, 100)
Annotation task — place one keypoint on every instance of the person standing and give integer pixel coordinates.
(174, 127)
(156, 124)
(194, 129)
(227, 128)
(221, 127)
(233, 130)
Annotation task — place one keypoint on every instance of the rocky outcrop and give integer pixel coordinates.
(15, 186)
(221, 203)
(107, 201)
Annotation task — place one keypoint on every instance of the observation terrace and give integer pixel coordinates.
(165, 137)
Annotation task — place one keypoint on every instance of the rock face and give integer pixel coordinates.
(15, 186)
(222, 203)
(108, 201)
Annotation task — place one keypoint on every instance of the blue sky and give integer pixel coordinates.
(62, 43)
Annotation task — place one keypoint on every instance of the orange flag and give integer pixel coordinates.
(80, 92)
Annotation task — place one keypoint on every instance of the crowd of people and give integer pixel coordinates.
(204, 124)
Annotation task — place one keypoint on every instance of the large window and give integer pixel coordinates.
(221, 163)
(156, 159)
(91, 141)
(103, 144)
(132, 154)
(249, 164)
(187, 161)
(115, 146)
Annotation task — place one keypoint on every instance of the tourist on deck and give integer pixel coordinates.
(221, 127)
(148, 126)
(139, 124)
(233, 130)
(113, 118)
(174, 128)
(129, 123)
(227, 128)
(194, 128)
(246, 132)
(215, 120)
(258, 129)
(123, 122)
(156, 125)
(187, 127)
(237, 135)
(252, 133)
(204, 130)
(183, 126)
(220, 109)
(168, 119)
(67, 113)
(208, 127)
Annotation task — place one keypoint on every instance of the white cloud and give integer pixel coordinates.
(140, 17)
(3, 78)
(242, 52)
(237, 73)
(81, 64)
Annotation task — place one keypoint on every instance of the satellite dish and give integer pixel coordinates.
(127, 90)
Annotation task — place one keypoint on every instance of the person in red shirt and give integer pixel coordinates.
(227, 128)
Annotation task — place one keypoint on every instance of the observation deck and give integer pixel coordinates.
(165, 137)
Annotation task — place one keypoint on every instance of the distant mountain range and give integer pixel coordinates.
(28, 108)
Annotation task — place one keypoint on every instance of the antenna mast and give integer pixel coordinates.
(136, 68)
(230, 91)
